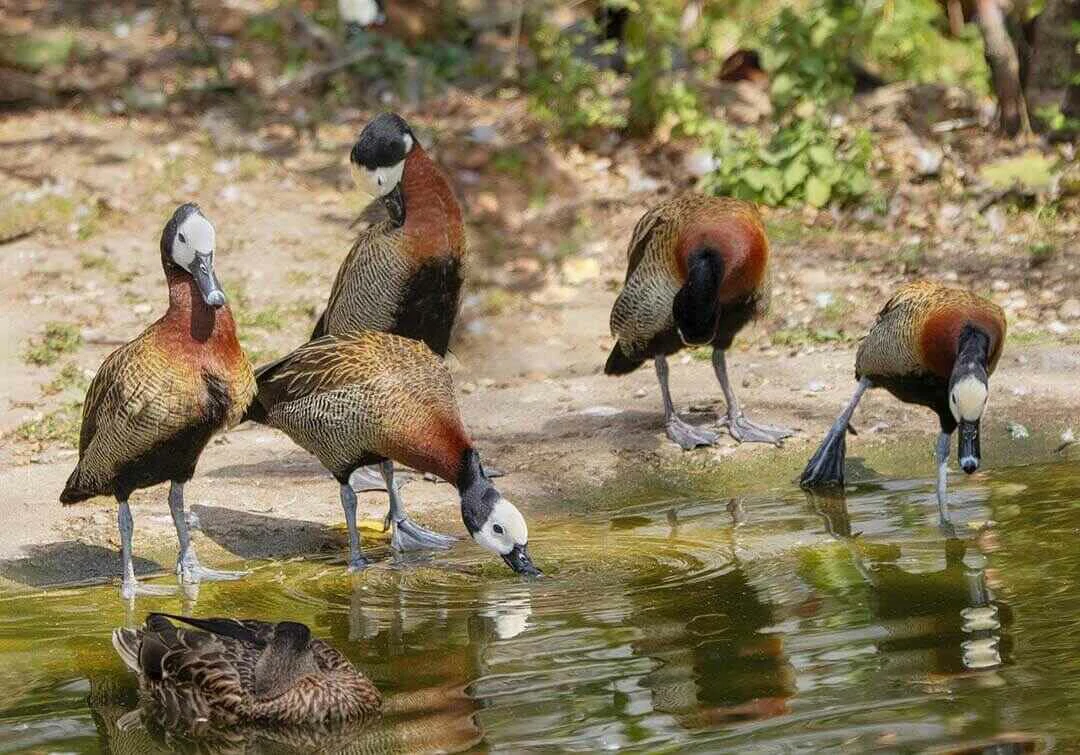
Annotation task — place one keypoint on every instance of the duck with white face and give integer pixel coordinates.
(493, 522)
(378, 161)
(192, 248)
(968, 391)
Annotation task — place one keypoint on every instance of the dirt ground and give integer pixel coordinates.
(548, 228)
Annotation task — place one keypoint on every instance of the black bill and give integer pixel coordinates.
(206, 280)
(969, 453)
(518, 559)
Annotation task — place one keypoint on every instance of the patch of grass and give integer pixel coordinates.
(70, 377)
(1031, 170)
(91, 261)
(835, 312)
(805, 336)
(47, 212)
(1040, 252)
(297, 277)
(251, 166)
(511, 162)
(60, 425)
(34, 52)
(912, 256)
(267, 318)
(58, 338)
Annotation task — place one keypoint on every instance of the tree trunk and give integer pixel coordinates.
(1055, 61)
(1004, 68)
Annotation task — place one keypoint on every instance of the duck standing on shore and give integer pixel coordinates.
(697, 273)
(366, 397)
(156, 401)
(933, 346)
(404, 273)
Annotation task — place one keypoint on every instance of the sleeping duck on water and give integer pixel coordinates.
(365, 397)
(933, 346)
(226, 672)
(156, 401)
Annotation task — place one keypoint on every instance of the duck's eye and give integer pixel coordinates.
(181, 237)
(380, 180)
(498, 529)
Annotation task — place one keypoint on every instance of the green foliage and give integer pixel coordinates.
(569, 91)
(803, 161)
(807, 54)
(59, 338)
(905, 41)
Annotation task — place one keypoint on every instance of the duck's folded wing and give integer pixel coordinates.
(134, 403)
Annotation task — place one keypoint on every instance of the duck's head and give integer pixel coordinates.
(188, 243)
(378, 157)
(492, 521)
(968, 391)
(286, 657)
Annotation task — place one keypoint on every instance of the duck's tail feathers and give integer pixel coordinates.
(826, 466)
(127, 643)
(620, 364)
(72, 492)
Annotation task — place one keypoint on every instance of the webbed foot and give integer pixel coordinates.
(687, 436)
(410, 536)
(745, 431)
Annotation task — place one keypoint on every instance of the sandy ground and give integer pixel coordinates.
(527, 362)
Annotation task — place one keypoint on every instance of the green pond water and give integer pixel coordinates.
(779, 623)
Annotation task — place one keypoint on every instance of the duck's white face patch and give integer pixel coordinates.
(194, 236)
(968, 399)
(505, 527)
(379, 182)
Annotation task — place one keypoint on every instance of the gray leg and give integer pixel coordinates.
(188, 567)
(826, 466)
(942, 478)
(348, 503)
(129, 586)
(407, 535)
(367, 479)
(687, 436)
(742, 429)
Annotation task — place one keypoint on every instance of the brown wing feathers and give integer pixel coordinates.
(641, 319)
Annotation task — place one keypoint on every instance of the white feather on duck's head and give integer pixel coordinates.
(188, 242)
(378, 157)
(493, 522)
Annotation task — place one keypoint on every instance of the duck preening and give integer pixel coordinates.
(366, 397)
(404, 273)
(156, 401)
(933, 346)
(224, 672)
(697, 273)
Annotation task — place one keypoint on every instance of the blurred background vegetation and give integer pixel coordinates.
(764, 89)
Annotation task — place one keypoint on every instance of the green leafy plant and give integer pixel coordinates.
(804, 161)
(569, 91)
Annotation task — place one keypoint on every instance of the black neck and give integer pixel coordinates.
(972, 353)
(395, 205)
(695, 308)
(473, 486)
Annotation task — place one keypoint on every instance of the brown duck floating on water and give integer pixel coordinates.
(223, 672)
(365, 397)
(697, 273)
(156, 401)
(933, 346)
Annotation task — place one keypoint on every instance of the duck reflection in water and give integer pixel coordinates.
(938, 614)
